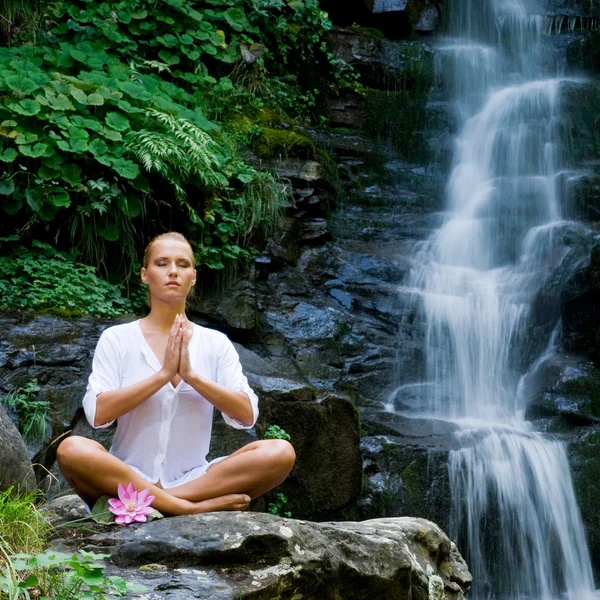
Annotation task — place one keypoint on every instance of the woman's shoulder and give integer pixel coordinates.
(213, 335)
(121, 331)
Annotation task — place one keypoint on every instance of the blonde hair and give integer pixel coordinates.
(169, 235)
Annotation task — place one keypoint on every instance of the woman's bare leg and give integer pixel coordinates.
(253, 470)
(91, 471)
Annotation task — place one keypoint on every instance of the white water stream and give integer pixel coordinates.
(476, 280)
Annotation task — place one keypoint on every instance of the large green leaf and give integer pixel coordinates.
(111, 134)
(59, 198)
(71, 173)
(26, 138)
(95, 100)
(135, 90)
(126, 168)
(27, 107)
(60, 102)
(12, 204)
(79, 95)
(7, 187)
(33, 151)
(117, 121)
(9, 155)
(78, 55)
(98, 147)
(21, 83)
(236, 18)
(79, 145)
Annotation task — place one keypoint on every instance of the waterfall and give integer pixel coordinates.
(476, 279)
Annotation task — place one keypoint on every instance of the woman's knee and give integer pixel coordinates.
(74, 450)
(280, 454)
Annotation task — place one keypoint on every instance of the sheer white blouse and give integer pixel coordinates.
(167, 437)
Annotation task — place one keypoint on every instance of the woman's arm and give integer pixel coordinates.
(234, 403)
(113, 404)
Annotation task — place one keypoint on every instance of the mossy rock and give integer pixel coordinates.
(326, 480)
(585, 391)
(367, 33)
(581, 121)
(584, 455)
(280, 143)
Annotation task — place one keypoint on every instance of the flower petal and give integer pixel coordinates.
(120, 519)
(140, 518)
(145, 511)
(130, 489)
(128, 518)
(143, 495)
(115, 503)
(148, 502)
(123, 495)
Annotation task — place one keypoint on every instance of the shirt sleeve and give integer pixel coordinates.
(230, 375)
(105, 376)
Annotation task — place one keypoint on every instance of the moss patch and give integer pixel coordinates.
(586, 389)
(415, 482)
(279, 143)
(399, 114)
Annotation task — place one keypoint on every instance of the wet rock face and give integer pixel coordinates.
(584, 458)
(57, 353)
(227, 556)
(575, 8)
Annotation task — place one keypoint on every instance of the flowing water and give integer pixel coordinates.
(514, 515)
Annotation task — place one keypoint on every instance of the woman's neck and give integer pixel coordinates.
(162, 314)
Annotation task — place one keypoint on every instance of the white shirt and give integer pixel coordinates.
(167, 437)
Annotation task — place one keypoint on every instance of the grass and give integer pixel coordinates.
(30, 411)
(22, 528)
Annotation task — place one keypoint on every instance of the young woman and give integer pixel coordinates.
(161, 377)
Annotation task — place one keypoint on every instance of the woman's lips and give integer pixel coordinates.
(173, 284)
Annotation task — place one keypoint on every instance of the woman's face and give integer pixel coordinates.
(170, 273)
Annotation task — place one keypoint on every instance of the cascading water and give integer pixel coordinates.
(515, 514)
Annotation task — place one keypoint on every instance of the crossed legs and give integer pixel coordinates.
(227, 485)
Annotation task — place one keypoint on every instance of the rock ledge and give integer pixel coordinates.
(228, 556)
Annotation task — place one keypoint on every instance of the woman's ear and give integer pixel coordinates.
(143, 275)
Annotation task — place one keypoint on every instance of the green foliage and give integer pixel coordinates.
(58, 576)
(42, 279)
(22, 527)
(274, 432)
(30, 411)
(278, 507)
(114, 121)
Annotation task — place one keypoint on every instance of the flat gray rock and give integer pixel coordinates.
(243, 555)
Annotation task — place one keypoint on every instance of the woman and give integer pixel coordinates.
(164, 407)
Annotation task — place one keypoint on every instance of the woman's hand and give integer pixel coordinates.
(173, 349)
(185, 367)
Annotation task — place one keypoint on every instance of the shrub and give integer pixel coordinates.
(30, 411)
(43, 279)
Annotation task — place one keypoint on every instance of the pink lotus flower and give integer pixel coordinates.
(130, 505)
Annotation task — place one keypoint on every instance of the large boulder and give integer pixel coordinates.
(15, 466)
(227, 556)
(325, 433)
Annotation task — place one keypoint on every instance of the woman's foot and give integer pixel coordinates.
(228, 502)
